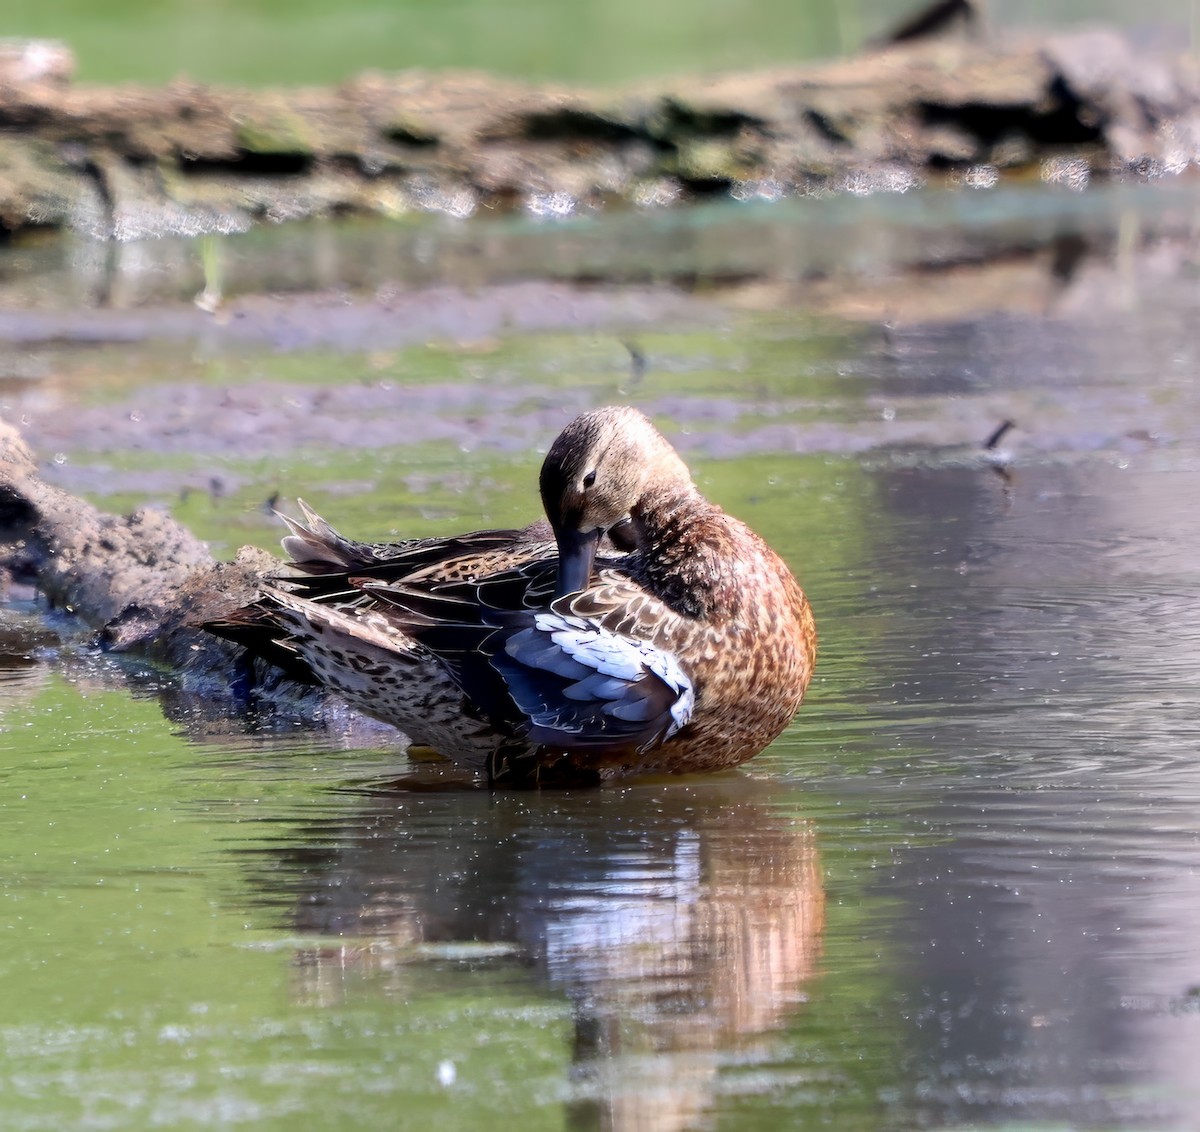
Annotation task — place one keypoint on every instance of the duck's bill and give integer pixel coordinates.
(576, 556)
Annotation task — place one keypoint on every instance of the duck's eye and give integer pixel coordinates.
(589, 479)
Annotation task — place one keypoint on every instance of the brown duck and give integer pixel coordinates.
(641, 630)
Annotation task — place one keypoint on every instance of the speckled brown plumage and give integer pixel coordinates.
(683, 643)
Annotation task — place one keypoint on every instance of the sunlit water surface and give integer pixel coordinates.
(963, 888)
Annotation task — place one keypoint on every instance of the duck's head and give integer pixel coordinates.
(595, 478)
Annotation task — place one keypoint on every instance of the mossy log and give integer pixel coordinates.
(127, 161)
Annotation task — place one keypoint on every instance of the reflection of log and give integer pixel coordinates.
(21, 676)
(677, 923)
(130, 162)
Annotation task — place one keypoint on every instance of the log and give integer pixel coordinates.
(141, 585)
(125, 162)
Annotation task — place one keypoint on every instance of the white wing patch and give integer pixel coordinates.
(599, 689)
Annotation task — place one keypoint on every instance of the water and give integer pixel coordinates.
(263, 41)
(961, 890)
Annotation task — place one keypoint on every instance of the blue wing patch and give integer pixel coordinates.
(580, 686)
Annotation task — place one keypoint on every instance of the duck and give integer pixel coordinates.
(637, 629)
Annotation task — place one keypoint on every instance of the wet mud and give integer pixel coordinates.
(1067, 290)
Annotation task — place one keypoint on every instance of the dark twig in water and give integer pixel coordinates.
(937, 19)
(998, 434)
(999, 460)
(637, 363)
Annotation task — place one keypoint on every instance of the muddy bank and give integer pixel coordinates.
(335, 320)
(169, 429)
(129, 162)
(139, 585)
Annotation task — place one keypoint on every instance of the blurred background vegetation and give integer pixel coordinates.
(589, 41)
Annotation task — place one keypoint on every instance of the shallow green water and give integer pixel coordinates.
(266, 41)
(959, 891)
(314, 42)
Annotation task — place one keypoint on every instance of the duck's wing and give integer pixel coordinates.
(590, 672)
(287, 629)
(579, 686)
(459, 621)
(327, 584)
(327, 560)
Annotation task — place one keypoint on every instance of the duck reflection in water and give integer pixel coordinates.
(681, 922)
